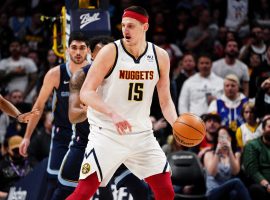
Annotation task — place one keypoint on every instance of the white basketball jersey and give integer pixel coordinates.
(128, 89)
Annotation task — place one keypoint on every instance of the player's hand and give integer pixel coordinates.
(25, 117)
(121, 124)
(24, 146)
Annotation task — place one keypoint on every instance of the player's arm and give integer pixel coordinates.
(76, 110)
(12, 111)
(51, 80)
(88, 95)
(163, 87)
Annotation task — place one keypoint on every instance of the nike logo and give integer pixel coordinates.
(66, 82)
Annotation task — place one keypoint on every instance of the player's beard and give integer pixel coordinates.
(77, 61)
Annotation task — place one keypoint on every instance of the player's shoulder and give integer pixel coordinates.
(53, 75)
(160, 51)
(162, 56)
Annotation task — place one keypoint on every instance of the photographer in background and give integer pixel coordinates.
(222, 164)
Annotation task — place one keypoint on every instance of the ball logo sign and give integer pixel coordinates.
(87, 19)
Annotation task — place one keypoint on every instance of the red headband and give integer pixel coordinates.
(136, 16)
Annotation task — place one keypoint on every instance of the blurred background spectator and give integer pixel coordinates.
(12, 166)
(256, 161)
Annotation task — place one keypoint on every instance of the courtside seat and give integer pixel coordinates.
(187, 171)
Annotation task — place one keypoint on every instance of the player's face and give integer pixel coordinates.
(133, 30)
(78, 51)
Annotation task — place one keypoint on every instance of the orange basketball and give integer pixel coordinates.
(189, 130)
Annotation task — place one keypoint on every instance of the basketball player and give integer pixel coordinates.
(12, 111)
(57, 80)
(70, 168)
(118, 90)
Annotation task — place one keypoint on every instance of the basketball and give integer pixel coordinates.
(189, 130)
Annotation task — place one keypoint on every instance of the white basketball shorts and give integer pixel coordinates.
(107, 150)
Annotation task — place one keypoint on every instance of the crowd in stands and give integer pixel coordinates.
(220, 70)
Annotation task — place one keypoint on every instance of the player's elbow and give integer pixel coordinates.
(83, 96)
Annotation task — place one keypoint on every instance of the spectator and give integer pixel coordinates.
(187, 69)
(231, 65)
(182, 25)
(230, 104)
(250, 129)
(261, 12)
(212, 123)
(255, 45)
(19, 22)
(18, 72)
(12, 166)
(256, 161)
(259, 74)
(220, 43)
(37, 36)
(237, 15)
(161, 39)
(200, 89)
(222, 164)
(262, 101)
(200, 38)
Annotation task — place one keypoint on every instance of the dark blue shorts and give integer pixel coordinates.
(71, 165)
(59, 146)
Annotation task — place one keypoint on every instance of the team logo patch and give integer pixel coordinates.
(86, 168)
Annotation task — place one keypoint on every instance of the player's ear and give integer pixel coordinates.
(145, 26)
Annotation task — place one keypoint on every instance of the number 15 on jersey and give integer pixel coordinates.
(135, 92)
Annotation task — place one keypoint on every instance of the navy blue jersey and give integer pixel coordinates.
(62, 129)
(81, 129)
(60, 99)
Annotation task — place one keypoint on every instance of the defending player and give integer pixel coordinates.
(57, 81)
